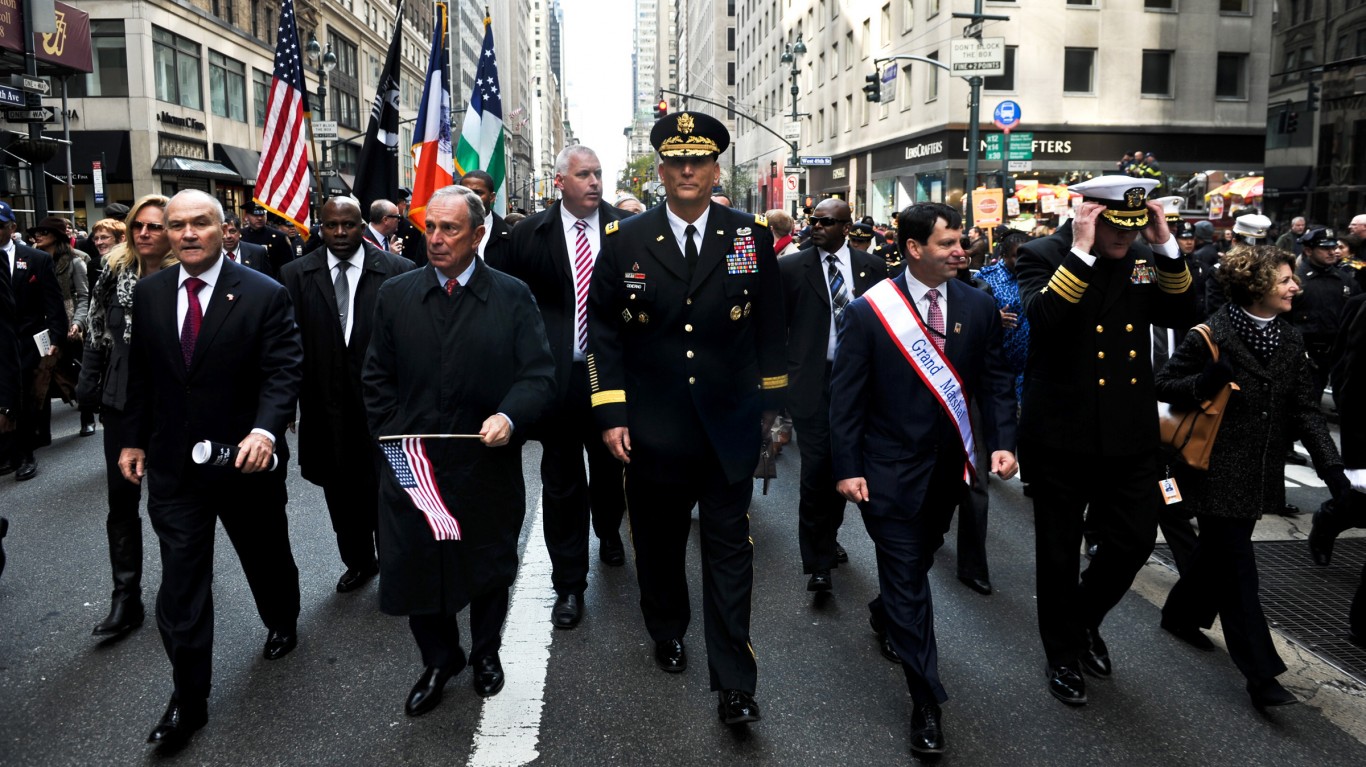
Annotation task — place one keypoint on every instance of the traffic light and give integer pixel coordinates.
(1312, 100)
(873, 90)
(662, 108)
(1292, 122)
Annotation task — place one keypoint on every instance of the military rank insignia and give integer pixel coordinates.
(743, 258)
(1143, 273)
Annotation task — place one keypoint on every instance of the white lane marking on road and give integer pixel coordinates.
(510, 722)
(1304, 475)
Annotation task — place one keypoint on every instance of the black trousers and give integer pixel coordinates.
(253, 514)
(972, 515)
(1320, 351)
(661, 518)
(124, 496)
(906, 540)
(1175, 523)
(1355, 516)
(438, 636)
(20, 443)
(352, 495)
(572, 495)
(820, 510)
(1123, 497)
(1222, 577)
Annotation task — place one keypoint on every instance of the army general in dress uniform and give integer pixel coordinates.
(685, 364)
(1088, 419)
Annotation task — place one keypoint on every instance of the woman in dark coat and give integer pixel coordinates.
(1264, 355)
(104, 381)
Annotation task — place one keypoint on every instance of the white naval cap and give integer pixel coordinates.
(1171, 206)
(1125, 199)
(1253, 226)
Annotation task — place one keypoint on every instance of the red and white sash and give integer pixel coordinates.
(911, 337)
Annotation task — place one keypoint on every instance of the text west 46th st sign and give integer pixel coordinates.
(973, 58)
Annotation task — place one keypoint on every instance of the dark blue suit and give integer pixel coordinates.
(889, 428)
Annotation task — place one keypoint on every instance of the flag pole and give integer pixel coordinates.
(392, 437)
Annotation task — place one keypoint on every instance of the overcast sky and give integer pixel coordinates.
(597, 60)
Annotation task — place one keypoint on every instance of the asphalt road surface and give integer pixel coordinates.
(592, 696)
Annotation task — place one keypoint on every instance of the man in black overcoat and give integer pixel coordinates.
(553, 253)
(457, 348)
(686, 368)
(818, 283)
(497, 235)
(334, 289)
(216, 356)
(1088, 419)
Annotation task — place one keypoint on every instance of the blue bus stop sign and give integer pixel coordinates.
(1007, 115)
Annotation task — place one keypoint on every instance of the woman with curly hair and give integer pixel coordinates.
(1273, 405)
(104, 379)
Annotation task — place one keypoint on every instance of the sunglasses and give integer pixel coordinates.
(139, 226)
(824, 221)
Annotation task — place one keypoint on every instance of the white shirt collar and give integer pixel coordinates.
(679, 226)
(918, 289)
(569, 219)
(355, 259)
(210, 275)
(461, 279)
(841, 255)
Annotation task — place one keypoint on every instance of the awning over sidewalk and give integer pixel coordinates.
(245, 161)
(184, 166)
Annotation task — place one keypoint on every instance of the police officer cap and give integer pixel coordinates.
(689, 134)
(1124, 197)
(1319, 237)
(1186, 231)
(1171, 207)
(861, 231)
(1204, 231)
(254, 208)
(1253, 225)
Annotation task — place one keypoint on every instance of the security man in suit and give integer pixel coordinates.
(1088, 420)
(497, 235)
(216, 356)
(245, 253)
(383, 224)
(912, 352)
(685, 364)
(414, 239)
(553, 252)
(819, 282)
(334, 290)
(1317, 310)
(277, 246)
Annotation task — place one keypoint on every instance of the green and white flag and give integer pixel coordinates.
(481, 136)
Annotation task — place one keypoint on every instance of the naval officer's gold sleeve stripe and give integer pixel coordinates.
(1174, 284)
(1063, 286)
(1066, 293)
(609, 397)
(1071, 278)
(775, 382)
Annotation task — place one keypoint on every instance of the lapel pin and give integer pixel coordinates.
(660, 238)
(957, 327)
(721, 232)
(230, 297)
(861, 273)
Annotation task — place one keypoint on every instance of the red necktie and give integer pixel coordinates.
(232, 256)
(583, 270)
(194, 316)
(451, 285)
(936, 318)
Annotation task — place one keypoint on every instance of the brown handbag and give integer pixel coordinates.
(1191, 433)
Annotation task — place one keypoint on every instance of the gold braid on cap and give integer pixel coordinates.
(688, 146)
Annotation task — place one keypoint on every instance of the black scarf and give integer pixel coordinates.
(1263, 340)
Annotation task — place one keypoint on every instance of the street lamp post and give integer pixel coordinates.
(790, 53)
(325, 61)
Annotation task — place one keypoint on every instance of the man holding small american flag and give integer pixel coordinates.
(459, 350)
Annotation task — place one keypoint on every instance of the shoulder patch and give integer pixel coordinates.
(612, 227)
(760, 220)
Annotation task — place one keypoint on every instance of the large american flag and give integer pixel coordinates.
(283, 181)
(413, 470)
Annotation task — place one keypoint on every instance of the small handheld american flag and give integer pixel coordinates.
(413, 470)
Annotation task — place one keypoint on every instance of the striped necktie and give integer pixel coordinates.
(936, 319)
(583, 273)
(839, 292)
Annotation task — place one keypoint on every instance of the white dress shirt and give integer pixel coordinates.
(919, 296)
(844, 264)
(357, 262)
(679, 226)
(378, 239)
(8, 247)
(1167, 249)
(488, 232)
(571, 239)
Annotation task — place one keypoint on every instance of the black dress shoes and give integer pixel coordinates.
(670, 655)
(1323, 532)
(280, 643)
(28, 469)
(488, 676)
(353, 579)
(567, 612)
(87, 430)
(178, 723)
(737, 707)
(1289, 510)
(1269, 693)
(927, 730)
(612, 552)
(125, 614)
(8, 467)
(1191, 635)
(841, 556)
(884, 643)
(1096, 660)
(427, 692)
(980, 585)
(1067, 685)
(820, 581)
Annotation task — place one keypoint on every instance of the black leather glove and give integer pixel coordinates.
(1213, 378)
(1338, 485)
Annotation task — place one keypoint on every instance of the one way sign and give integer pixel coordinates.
(29, 115)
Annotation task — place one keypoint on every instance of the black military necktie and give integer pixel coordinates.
(690, 248)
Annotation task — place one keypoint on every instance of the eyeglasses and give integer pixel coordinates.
(392, 215)
(824, 221)
(149, 226)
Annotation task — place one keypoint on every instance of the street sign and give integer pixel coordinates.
(792, 131)
(29, 115)
(1020, 166)
(1021, 146)
(30, 84)
(888, 93)
(977, 58)
(805, 160)
(790, 186)
(973, 30)
(12, 96)
(794, 169)
(1007, 115)
(97, 178)
(325, 130)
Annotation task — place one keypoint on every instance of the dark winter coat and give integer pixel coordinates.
(1273, 407)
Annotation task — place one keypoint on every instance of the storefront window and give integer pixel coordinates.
(176, 60)
(109, 55)
(227, 87)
